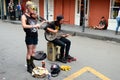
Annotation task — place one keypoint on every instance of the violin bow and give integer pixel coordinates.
(41, 19)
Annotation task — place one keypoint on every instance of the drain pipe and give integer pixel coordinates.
(83, 29)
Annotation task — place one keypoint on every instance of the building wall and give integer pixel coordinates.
(98, 8)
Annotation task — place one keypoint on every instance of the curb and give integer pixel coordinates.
(13, 22)
(93, 36)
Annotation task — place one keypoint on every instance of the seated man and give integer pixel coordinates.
(63, 42)
(102, 24)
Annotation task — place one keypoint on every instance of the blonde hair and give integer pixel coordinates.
(29, 4)
(34, 7)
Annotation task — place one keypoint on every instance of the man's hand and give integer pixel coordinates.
(55, 31)
(65, 35)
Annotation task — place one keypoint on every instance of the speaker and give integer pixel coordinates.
(52, 51)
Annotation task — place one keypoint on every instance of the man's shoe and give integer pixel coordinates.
(70, 58)
(63, 60)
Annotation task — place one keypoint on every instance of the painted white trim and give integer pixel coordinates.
(50, 10)
(77, 15)
(4, 7)
(112, 23)
(45, 9)
(87, 15)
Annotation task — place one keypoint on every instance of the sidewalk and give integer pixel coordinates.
(91, 33)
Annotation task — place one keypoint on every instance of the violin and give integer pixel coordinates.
(41, 19)
(35, 16)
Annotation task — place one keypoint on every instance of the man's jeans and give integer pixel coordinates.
(118, 24)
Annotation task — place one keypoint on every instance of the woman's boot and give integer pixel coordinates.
(32, 63)
(29, 67)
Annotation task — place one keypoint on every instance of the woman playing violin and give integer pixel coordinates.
(30, 27)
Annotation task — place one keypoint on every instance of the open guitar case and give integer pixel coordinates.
(40, 55)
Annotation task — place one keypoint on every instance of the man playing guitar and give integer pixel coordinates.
(63, 42)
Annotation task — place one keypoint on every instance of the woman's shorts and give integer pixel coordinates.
(31, 40)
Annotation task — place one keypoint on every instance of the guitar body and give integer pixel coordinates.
(50, 36)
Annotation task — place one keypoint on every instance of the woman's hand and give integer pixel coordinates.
(36, 26)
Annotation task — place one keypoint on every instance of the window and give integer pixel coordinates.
(115, 4)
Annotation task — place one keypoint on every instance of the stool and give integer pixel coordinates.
(52, 51)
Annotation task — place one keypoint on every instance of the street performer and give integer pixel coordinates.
(63, 42)
(30, 26)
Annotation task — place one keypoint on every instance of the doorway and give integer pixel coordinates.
(82, 8)
(81, 12)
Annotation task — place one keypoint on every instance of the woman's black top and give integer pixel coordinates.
(31, 32)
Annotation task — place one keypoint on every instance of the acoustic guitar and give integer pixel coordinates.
(49, 36)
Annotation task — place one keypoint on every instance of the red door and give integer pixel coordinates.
(65, 8)
(66, 11)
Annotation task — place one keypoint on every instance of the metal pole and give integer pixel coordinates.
(83, 29)
(2, 4)
(47, 9)
(1, 8)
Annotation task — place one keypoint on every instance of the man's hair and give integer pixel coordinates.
(59, 17)
(102, 17)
